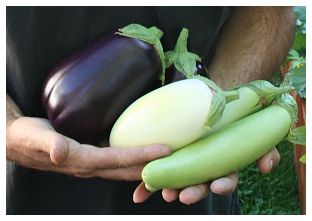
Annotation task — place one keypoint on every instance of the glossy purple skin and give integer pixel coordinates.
(173, 75)
(86, 93)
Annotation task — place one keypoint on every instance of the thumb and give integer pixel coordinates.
(58, 148)
(138, 155)
(267, 162)
(48, 140)
(36, 135)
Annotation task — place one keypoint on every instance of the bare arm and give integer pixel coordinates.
(252, 45)
(12, 110)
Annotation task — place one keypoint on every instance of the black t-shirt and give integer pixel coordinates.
(37, 39)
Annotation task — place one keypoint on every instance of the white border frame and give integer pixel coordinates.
(4, 3)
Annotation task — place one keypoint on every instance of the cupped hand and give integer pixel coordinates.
(32, 142)
(222, 186)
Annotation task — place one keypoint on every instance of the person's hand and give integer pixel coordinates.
(32, 142)
(224, 185)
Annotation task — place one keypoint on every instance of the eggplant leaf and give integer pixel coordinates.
(293, 54)
(296, 75)
(302, 159)
(183, 60)
(297, 135)
(300, 13)
(297, 79)
(300, 42)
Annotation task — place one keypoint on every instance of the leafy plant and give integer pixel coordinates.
(297, 55)
(297, 59)
(300, 37)
(297, 72)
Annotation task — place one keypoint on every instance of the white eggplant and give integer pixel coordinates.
(174, 115)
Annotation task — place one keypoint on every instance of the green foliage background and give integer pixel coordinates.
(274, 193)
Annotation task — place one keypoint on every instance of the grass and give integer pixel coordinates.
(275, 193)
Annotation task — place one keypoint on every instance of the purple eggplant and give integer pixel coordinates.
(182, 64)
(85, 93)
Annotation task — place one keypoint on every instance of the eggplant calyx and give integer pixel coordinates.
(183, 60)
(218, 101)
(295, 135)
(150, 35)
(231, 95)
(287, 102)
(267, 91)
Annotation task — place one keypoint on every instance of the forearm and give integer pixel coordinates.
(12, 110)
(252, 45)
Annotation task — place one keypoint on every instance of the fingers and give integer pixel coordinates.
(131, 173)
(125, 164)
(141, 194)
(110, 163)
(37, 145)
(170, 195)
(220, 186)
(123, 157)
(138, 155)
(225, 185)
(194, 194)
(267, 162)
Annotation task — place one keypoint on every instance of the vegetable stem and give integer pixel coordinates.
(150, 35)
(231, 95)
(183, 60)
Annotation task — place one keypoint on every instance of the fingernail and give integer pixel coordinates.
(271, 164)
(222, 186)
(218, 187)
(136, 199)
(189, 195)
(162, 148)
